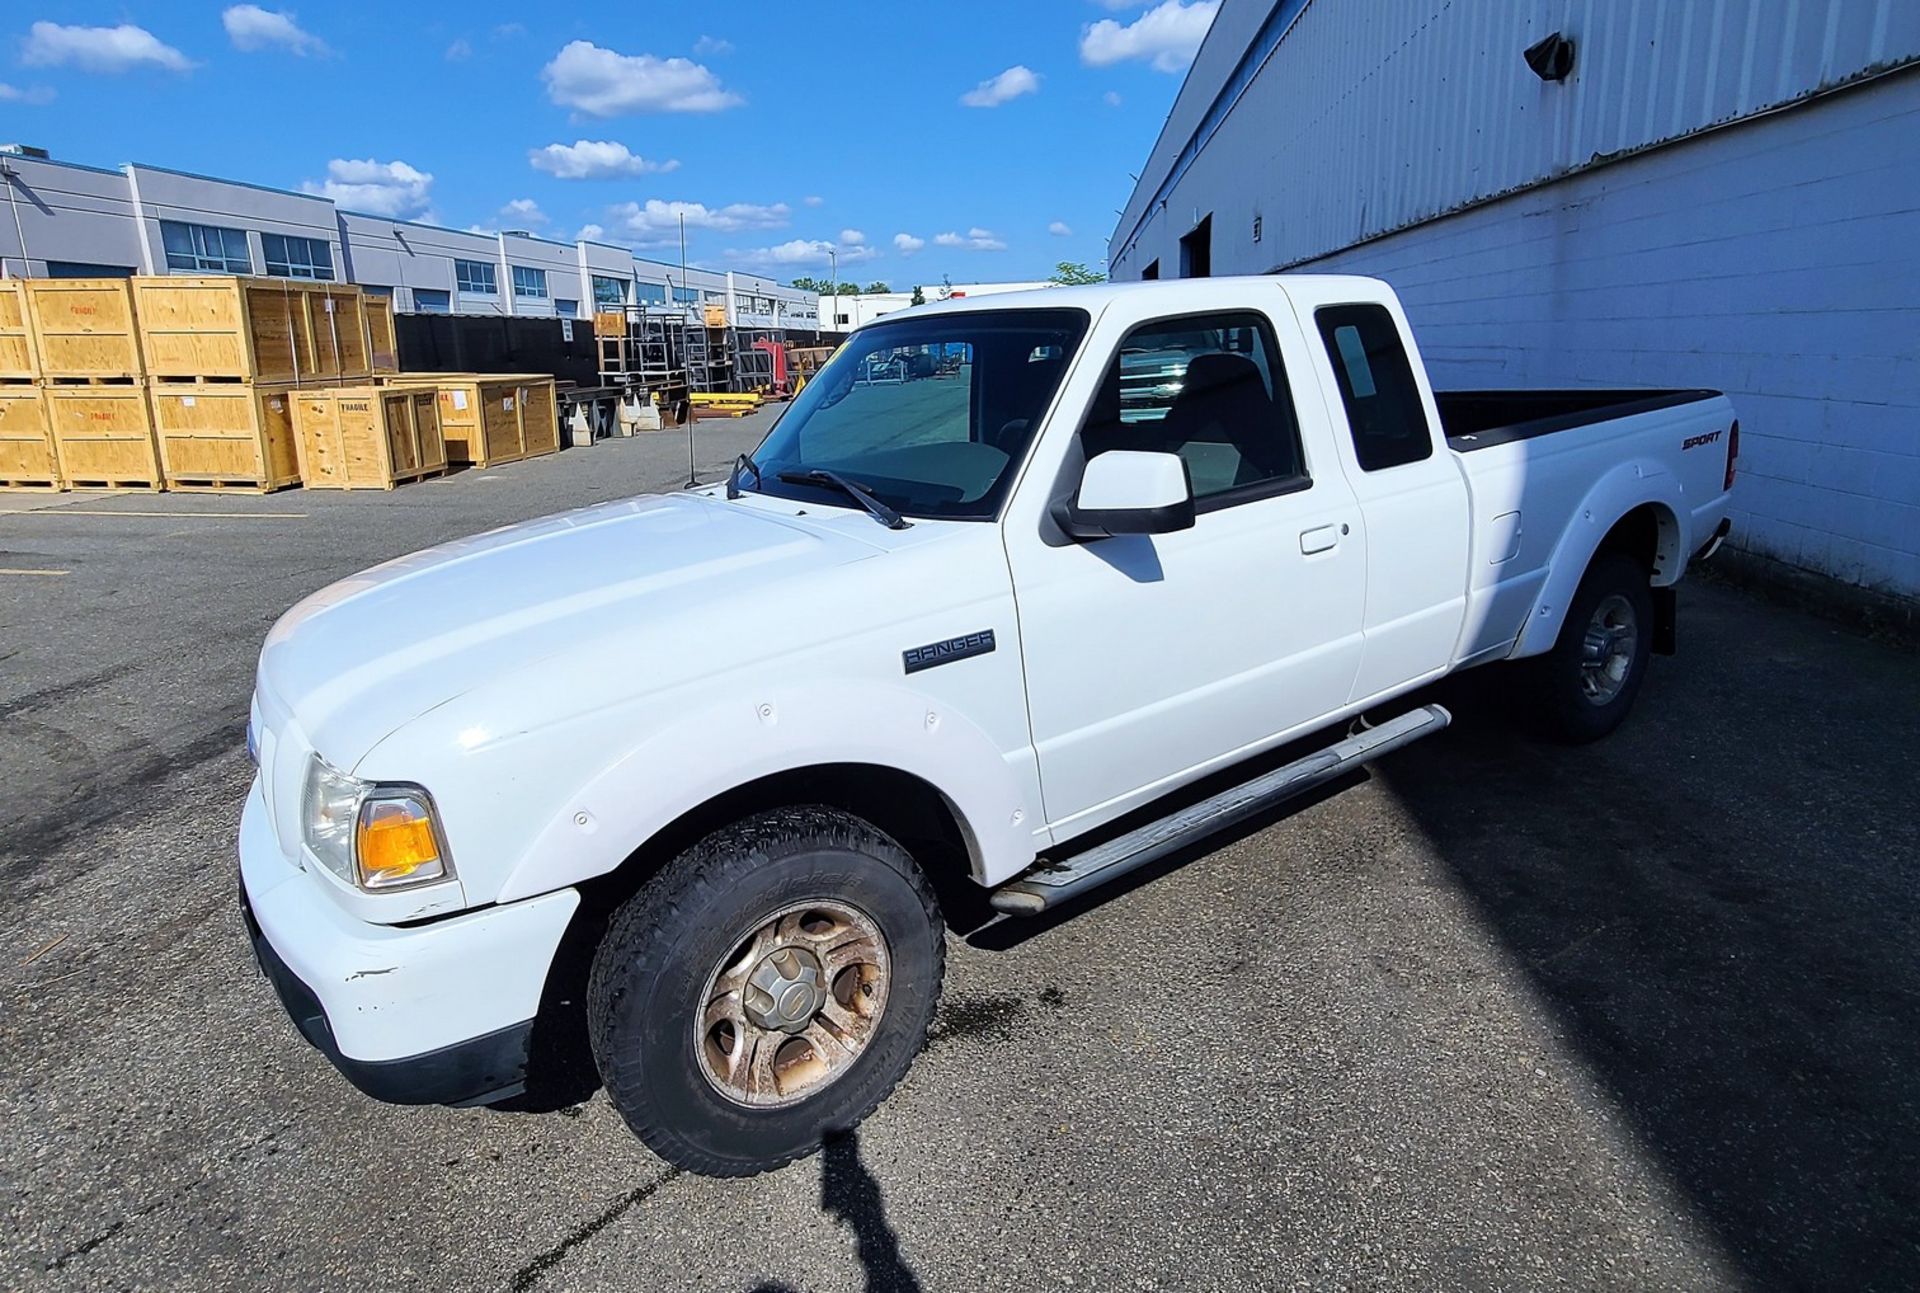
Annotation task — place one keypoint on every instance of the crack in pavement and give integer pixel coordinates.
(534, 1271)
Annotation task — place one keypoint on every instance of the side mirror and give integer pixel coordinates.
(1128, 491)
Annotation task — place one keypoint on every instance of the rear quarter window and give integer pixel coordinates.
(1377, 386)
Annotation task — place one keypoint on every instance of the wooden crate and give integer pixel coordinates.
(383, 351)
(103, 436)
(367, 437)
(489, 419)
(19, 362)
(83, 329)
(221, 328)
(225, 437)
(27, 460)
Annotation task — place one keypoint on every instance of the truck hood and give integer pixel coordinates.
(364, 656)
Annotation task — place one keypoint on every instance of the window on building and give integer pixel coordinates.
(86, 269)
(649, 293)
(1152, 271)
(609, 293)
(566, 309)
(475, 278)
(691, 295)
(205, 248)
(530, 282)
(297, 257)
(1377, 385)
(432, 301)
(1211, 389)
(1196, 251)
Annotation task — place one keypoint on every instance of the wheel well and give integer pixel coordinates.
(1650, 535)
(911, 810)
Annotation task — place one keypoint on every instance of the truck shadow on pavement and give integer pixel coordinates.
(1718, 903)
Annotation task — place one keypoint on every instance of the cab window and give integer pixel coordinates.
(1211, 389)
(1377, 385)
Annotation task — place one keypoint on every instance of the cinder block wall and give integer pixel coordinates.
(1777, 260)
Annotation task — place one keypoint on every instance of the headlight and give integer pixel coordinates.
(371, 835)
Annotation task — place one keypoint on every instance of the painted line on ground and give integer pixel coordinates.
(6, 571)
(114, 511)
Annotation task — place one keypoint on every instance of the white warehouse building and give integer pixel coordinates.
(68, 220)
(1687, 193)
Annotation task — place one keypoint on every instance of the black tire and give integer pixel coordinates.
(650, 971)
(1562, 707)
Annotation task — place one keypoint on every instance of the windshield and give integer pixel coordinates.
(931, 415)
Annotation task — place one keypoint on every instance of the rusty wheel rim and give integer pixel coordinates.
(793, 1006)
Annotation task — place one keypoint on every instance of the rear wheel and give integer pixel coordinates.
(768, 988)
(1584, 686)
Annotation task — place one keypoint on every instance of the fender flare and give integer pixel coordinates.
(1635, 484)
(671, 771)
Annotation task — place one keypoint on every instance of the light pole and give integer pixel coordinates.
(833, 283)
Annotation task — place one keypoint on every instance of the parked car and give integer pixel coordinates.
(870, 669)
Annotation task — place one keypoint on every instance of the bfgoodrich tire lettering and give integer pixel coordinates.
(660, 954)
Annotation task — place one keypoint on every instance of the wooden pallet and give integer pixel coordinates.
(199, 379)
(91, 381)
(38, 485)
(120, 485)
(225, 485)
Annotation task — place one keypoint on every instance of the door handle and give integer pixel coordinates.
(1319, 539)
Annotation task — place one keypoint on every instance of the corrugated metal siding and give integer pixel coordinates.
(1373, 115)
(1781, 265)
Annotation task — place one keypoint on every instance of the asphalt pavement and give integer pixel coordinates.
(1496, 1015)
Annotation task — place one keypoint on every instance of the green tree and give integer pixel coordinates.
(919, 297)
(877, 287)
(1072, 273)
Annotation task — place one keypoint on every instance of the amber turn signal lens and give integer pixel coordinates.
(396, 844)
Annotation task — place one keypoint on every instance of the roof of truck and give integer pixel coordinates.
(1167, 293)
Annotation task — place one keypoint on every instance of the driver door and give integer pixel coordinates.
(1153, 659)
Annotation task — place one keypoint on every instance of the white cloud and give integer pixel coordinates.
(392, 189)
(802, 251)
(593, 159)
(32, 94)
(907, 244)
(509, 30)
(975, 239)
(851, 237)
(656, 222)
(252, 28)
(1112, 98)
(1165, 36)
(460, 51)
(602, 83)
(1060, 229)
(713, 45)
(813, 199)
(524, 211)
(1010, 84)
(591, 233)
(99, 49)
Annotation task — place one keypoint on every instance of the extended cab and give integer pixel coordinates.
(1009, 570)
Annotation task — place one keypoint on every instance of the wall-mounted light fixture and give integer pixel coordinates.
(1552, 58)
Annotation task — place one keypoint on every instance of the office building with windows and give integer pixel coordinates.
(67, 220)
(1633, 193)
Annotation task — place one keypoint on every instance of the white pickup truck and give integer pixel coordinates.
(1006, 577)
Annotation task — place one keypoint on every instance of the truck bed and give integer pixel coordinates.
(1479, 419)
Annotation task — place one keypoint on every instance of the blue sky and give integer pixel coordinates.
(984, 142)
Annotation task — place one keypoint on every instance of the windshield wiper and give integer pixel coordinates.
(834, 480)
(733, 477)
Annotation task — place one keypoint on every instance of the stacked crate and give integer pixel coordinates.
(27, 459)
(93, 382)
(227, 357)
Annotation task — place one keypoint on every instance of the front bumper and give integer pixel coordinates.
(439, 1013)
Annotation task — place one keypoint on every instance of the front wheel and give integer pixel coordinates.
(1584, 686)
(767, 988)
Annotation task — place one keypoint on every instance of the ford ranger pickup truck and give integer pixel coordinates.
(1003, 582)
